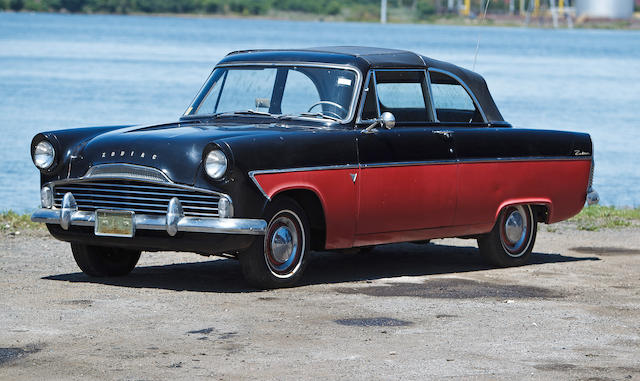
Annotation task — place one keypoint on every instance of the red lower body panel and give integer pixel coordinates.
(485, 188)
(406, 198)
(336, 191)
(397, 204)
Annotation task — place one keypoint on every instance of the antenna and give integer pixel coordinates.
(484, 16)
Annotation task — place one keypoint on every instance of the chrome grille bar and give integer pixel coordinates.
(135, 195)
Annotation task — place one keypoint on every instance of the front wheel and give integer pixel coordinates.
(511, 241)
(99, 261)
(279, 258)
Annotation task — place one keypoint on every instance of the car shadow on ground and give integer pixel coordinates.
(388, 261)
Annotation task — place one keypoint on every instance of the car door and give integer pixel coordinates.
(407, 178)
(458, 113)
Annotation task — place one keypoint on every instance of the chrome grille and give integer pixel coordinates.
(127, 171)
(138, 196)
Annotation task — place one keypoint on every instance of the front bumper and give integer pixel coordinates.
(67, 217)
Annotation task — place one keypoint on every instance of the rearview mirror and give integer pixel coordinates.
(386, 120)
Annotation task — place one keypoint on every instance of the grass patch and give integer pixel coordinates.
(596, 217)
(11, 222)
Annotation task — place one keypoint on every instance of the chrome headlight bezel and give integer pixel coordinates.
(44, 155)
(215, 164)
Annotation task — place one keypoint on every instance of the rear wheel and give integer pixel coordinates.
(511, 241)
(280, 257)
(99, 261)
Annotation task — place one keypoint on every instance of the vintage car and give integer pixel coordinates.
(283, 152)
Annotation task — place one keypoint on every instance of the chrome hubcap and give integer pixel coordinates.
(282, 245)
(515, 230)
(514, 227)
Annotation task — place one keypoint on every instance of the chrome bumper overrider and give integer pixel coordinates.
(173, 221)
(593, 198)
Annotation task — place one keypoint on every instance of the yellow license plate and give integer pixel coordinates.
(114, 223)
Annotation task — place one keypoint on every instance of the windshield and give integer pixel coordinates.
(305, 91)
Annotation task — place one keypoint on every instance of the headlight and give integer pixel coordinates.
(215, 164)
(43, 155)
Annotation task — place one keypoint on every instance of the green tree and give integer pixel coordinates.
(212, 6)
(72, 5)
(16, 5)
(36, 5)
(424, 9)
(333, 8)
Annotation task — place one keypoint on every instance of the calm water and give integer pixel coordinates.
(61, 71)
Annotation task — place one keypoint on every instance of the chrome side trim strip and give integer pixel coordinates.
(153, 222)
(473, 161)
(524, 158)
(409, 163)
(253, 174)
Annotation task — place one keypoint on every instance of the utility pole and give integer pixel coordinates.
(554, 13)
(522, 7)
(383, 11)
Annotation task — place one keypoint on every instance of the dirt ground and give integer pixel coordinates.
(403, 311)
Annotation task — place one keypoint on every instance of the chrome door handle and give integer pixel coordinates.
(446, 134)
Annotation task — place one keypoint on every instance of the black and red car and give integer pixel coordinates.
(287, 151)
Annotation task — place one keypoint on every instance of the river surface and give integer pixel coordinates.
(63, 71)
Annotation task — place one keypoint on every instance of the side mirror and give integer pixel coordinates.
(387, 120)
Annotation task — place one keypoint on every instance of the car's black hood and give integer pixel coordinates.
(174, 148)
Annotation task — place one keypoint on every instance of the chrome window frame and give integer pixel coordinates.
(354, 96)
(372, 73)
(464, 86)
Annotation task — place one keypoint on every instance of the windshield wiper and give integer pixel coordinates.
(251, 112)
(311, 114)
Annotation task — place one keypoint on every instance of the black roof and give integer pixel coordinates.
(365, 58)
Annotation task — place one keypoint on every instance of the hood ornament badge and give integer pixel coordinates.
(104, 155)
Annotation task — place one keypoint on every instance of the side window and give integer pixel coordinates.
(299, 94)
(370, 107)
(404, 94)
(398, 95)
(451, 100)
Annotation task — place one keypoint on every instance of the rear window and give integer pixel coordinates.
(451, 100)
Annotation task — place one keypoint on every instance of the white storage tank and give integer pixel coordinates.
(605, 9)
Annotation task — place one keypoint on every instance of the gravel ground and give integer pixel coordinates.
(400, 312)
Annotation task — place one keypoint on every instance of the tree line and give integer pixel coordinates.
(353, 9)
(349, 9)
(242, 7)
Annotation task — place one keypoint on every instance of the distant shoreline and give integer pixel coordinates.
(491, 20)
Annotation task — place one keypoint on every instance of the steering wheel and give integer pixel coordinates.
(336, 105)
